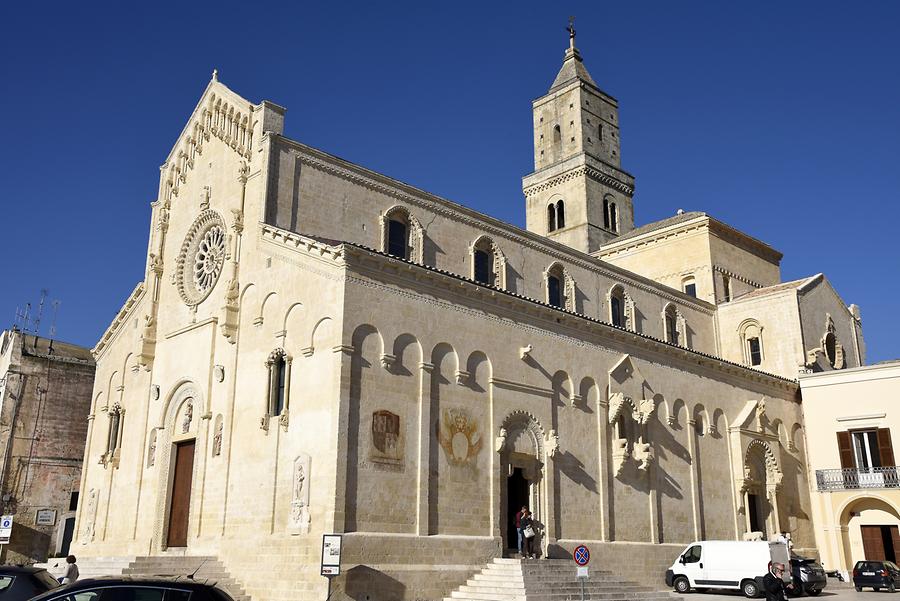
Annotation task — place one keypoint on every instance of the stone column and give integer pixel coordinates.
(695, 493)
(424, 439)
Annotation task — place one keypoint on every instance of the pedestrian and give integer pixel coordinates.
(71, 574)
(519, 526)
(527, 535)
(773, 583)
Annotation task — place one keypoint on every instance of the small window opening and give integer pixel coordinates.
(551, 218)
(754, 350)
(560, 214)
(398, 239)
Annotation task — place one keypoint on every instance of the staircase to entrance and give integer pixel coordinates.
(550, 580)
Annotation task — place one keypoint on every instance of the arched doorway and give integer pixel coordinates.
(174, 449)
(870, 529)
(521, 448)
(759, 491)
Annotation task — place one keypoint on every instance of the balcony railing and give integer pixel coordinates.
(853, 478)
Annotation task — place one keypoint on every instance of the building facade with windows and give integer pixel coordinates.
(851, 422)
(316, 348)
(45, 398)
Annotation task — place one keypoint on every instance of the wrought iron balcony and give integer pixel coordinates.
(853, 478)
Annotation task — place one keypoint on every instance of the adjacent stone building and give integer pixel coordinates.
(316, 347)
(45, 398)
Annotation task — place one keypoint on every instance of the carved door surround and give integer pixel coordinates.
(183, 419)
(522, 444)
(756, 466)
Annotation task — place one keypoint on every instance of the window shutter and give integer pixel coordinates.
(846, 450)
(885, 450)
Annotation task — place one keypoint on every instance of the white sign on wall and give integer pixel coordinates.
(45, 517)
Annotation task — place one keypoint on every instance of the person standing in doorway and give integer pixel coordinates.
(71, 571)
(527, 534)
(519, 515)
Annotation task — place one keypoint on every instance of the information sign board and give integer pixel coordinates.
(6, 524)
(331, 555)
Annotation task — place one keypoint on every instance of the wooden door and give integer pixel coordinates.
(180, 507)
(873, 545)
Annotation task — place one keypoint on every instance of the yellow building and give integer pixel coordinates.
(850, 423)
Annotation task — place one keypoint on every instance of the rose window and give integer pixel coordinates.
(209, 258)
(202, 258)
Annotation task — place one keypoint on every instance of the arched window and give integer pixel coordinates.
(401, 235)
(689, 286)
(555, 279)
(483, 267)
(279, 367)
(557, 135)
(551, 217)
(560, 214)
(606, 212)
(617, 307)
(750, 333)
(670, 316)
(113, 436)
(613, 217)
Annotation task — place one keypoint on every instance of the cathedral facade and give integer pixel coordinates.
(319, 348)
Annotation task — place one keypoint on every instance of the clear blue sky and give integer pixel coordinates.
(780, 118)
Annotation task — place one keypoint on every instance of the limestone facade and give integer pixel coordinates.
(45, 396)
(851, 424)
(319, 348)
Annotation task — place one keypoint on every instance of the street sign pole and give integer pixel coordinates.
(582, 556)
(331, 558)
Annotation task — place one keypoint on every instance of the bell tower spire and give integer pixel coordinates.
(577, 167)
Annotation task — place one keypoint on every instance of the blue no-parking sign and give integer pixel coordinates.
(582, 555)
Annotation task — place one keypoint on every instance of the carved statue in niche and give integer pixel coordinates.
(151, 451)
(500, 441)
(552, 443)
(299, 517)
(458, 435)
(217, 438)
(761, 415)
(87, 530)
(643, 455)
(188, 416)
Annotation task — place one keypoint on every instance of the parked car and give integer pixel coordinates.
(808, 576)
(136, 588)
(877, 574)
(726, 564)
(21, 583)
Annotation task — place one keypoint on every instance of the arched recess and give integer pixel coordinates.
(367, 347)
(183, 421)
(405, 357)
(871, 511)
(588, 393)
(759, 488)
(562, 388)
(679, 410)
(795, 442)
(292, 325)
(265, 308)
(479, 370)
(559, 287)
(320, 336)
(521, 445)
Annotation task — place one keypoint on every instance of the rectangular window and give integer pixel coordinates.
(691, 289)
(281, 369)
(482, 267)
(73, 501)
(615, 307)
(755, 351)
(726, 283)
(554, 296)
(397, 239)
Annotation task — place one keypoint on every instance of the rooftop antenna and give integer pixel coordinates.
(23, 318)
(37, 321)
(56, 303)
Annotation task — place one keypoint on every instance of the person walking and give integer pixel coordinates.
(71, 574)
(527, 534)
(519, 526)
(773, 584)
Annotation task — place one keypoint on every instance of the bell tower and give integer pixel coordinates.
(578, 194)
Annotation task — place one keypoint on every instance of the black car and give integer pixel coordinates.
(137, 588)
(877, 574)
(21, 583)
(807, 575)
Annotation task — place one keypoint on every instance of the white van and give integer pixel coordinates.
(727, 564)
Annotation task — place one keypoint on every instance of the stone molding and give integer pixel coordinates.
(581, 171)
(118, 320)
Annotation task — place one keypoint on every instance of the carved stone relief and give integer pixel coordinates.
(299, 519)
(217, 436)
(188, 416)
(151, 449)
(89, 518)
(459, 436)
(387, 438)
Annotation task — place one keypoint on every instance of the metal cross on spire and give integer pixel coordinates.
(571, 30)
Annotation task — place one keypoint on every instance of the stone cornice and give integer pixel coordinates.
(737, 277)
(118, 320)
(587, 170)
(424, 280)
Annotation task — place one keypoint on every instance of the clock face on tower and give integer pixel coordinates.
(201, 258)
